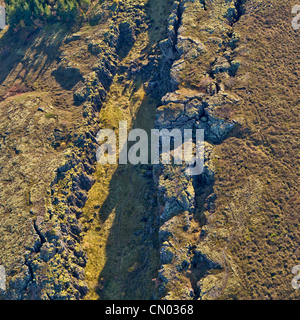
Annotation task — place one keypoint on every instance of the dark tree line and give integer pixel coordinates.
(25, 12)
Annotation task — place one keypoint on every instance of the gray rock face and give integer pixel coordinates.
(53, 267)
(173, 22)
(190, 47)
(95, 84)
(167, 48)
(185, 108)
(194, 111)
(166, 254)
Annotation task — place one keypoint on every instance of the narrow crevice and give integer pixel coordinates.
(178, 24)
(31, 273)
(204, 192)
(203, 2)
(239, 12)
(42, 238)
(239, 5)
(203, 185)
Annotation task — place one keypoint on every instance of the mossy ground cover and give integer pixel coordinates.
(123, 256)
(38, 120)
(256, 183)
(254, 223)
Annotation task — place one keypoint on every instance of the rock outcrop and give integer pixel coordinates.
(189, 108)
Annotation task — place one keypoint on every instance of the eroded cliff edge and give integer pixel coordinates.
(207, 220)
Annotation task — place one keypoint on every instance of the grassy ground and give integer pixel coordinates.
(115, 252)
(257, 182)
(122, 243)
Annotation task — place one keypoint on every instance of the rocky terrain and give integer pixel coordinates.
(75, 229)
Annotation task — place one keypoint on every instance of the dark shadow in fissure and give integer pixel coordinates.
(133, 249)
